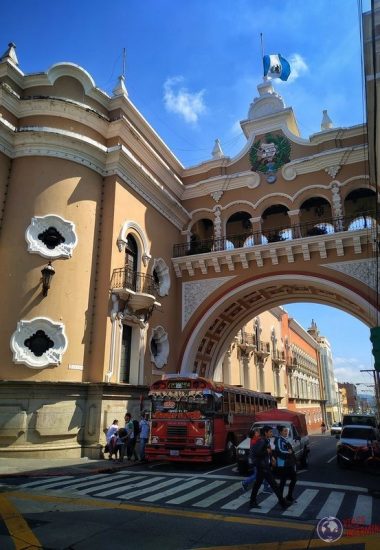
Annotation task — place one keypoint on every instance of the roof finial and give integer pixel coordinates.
(217, 152)
(120, 88)
(10, 53)
(326, 123)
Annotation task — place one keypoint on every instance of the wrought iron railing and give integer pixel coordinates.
(366, 220)
(133, 280)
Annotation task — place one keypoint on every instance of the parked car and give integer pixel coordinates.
(358, 445)
(298, 436)
(336, 428)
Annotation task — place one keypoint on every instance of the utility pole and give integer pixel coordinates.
(376, 380)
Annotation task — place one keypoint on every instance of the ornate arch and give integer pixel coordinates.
(133, 227)
(214, 326)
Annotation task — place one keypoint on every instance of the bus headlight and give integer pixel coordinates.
(241, 452)
(199, 441)
(155, 439)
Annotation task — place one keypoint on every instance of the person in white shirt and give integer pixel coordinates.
(111, 438)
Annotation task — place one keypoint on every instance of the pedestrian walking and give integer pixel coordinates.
(255, 437)
(323, 427)
(144, 434)
(263, 454)
(285, 462)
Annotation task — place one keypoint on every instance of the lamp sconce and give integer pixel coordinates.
(47, 274)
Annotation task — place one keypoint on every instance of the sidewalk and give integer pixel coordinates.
(36, 467)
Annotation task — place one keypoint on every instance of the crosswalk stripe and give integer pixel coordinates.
(363, 510)
(332, 505)
(266, 505)
(217, 496)
(134, 494)
(124, 488)
(196, 492)
(303, 500)
(237, 502)
(173, 490)
(111, 486)
(44, 482)
(86, 482)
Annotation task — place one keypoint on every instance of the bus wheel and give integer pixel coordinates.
(230, 452)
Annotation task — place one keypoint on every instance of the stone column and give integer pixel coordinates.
(337, 207)
(218, 245)
(256, 229)
(294, 216)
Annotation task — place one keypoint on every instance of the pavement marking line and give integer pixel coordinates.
(332, 505)
(370, 543)
(363, 510)
(303, 501)
(213, 516)
(22, 536)
(331, 459)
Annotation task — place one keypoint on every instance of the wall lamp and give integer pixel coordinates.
(47, 274)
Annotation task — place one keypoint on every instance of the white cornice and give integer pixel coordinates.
(222, 183)
(118, 160)
(326, 159)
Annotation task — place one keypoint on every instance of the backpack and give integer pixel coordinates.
(136, 427)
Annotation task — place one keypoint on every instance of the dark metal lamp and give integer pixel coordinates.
(47, 274)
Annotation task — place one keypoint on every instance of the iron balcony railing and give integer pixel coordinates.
(125, 277)
(366, 220)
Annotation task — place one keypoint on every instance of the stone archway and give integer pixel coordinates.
(219, 318)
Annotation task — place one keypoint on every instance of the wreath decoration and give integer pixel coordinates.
(269, 155)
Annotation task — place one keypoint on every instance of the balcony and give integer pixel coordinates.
(137, 289)
(278, 357)
(287, 243)
(262, 350)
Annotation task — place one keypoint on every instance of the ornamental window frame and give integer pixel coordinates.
(66, 228)
(27, 328)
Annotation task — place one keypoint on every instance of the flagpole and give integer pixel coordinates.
(262, 53)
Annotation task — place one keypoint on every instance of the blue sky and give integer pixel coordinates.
(192, 70)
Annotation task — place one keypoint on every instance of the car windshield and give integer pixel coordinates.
(359, 420)
(358, 433)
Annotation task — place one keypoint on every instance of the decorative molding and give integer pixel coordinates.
(216, 195)
(325, 160)
(27, 329)
(333, 170)
(159, 347)
(362, 270)
(123, 234)
(163, 275)
(39, 224)
(194, 293)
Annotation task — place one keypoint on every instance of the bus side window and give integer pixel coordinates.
(226, 406)
(238, 403)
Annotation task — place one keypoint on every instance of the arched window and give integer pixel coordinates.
(131, 256)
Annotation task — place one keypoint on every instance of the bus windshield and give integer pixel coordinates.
(184, 404)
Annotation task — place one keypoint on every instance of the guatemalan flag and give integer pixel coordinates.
(276, 66)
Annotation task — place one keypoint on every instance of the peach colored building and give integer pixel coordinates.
(118, 264)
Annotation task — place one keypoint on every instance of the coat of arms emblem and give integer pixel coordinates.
(269, 155)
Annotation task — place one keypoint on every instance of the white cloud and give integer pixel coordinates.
(298, 66)
(180, 101)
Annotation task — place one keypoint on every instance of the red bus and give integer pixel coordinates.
(193, 419)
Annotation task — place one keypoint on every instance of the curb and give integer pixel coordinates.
(72, 471)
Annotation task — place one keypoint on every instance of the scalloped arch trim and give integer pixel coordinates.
(73, 70)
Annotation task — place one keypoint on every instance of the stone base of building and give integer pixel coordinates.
(61, 419)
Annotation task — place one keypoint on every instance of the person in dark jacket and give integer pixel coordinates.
(263, 458)
(285, 462)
